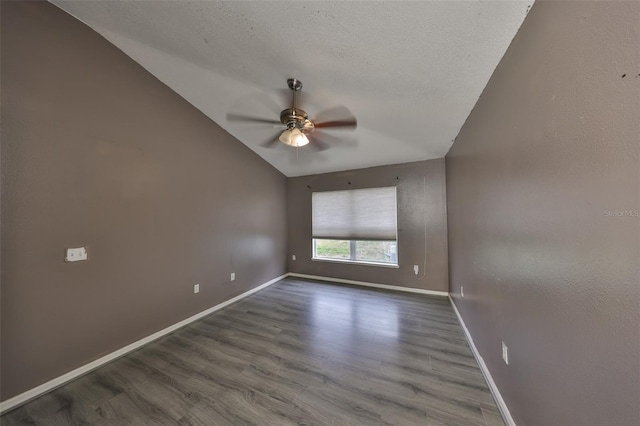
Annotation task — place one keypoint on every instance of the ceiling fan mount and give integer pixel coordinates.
(294, 84)
(298, 127)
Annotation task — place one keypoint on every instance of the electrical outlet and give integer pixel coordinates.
(76, 254)
(233, 276)
(196, 288)
(461, 291)
(416, 268)
(293, 257)
(505, 353)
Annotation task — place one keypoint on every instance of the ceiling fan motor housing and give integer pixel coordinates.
(291, 117)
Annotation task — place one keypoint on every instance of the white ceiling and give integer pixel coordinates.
(409, 71)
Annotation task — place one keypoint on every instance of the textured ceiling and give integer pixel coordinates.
(409, 71)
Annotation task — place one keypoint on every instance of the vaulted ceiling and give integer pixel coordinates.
(409, 71)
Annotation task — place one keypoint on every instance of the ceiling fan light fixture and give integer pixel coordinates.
(294, 137)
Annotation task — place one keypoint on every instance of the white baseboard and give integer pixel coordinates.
(67, 377)
(367, 284)
(80, 371)
(502, 406)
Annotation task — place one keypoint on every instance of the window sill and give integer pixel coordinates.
(355, 262)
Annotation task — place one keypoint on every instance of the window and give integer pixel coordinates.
(357, 225)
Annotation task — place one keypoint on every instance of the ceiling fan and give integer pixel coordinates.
(299, 130)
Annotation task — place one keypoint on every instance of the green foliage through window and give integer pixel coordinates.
(362, 251)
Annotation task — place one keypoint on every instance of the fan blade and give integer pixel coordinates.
(333, 113)
(338, 116)
(248, 118)
(269, 143)
(349, 122)
(333, 141)
(317, 144)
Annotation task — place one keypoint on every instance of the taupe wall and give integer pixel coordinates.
(536, 181)
(421, 196)
(98, 153)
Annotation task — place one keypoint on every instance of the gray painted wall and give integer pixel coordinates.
(96, 152)
(534, 179)
(421, 197)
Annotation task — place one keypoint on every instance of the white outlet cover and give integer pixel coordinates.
(76, 254)
(505, 353)
(233, 276)
(196, 288)
(462, 291)
(416, 268)
(293, 257)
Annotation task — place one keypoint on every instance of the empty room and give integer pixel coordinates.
(320, 213)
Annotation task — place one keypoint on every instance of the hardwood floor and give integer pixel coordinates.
(299, 352)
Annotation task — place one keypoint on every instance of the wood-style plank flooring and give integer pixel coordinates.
(299, 352)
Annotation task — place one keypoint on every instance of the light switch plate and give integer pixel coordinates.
(233, 276)
(196, 288)
(76, 254)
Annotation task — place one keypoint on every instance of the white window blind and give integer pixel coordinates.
(357, 214)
